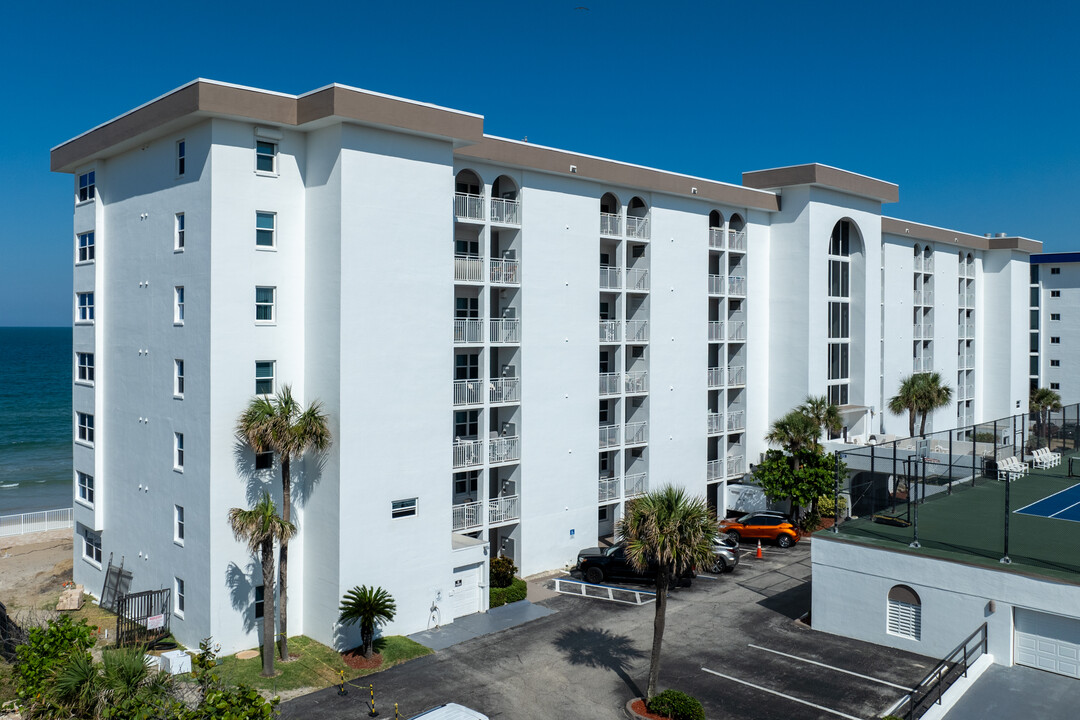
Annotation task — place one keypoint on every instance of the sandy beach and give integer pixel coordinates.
(33, 567)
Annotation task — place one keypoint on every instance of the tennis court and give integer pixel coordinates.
(1063, 505)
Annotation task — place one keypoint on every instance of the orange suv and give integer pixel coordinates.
(766, 525)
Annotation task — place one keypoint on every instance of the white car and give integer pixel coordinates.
(450, 711)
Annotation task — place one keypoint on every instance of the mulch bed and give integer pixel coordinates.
(355, 659)
(638, 708)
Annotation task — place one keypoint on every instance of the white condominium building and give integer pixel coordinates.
(1055, 323)
(510, 340)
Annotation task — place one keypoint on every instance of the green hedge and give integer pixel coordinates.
(676, 705)
(501, 596)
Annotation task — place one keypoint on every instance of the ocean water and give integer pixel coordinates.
(35, 419)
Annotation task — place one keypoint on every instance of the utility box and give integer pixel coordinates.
(176, 662)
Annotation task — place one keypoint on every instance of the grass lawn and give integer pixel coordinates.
(316, 665)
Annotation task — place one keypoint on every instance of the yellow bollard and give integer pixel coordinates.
(372, 713)
(396, 712)
(341, 687)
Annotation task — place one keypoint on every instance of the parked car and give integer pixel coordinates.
(450, 711)
(765, 525)
(599, 564)
(725, 555)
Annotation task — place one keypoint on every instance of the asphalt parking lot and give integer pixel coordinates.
(731, 641)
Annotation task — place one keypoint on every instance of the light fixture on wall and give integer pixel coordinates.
(573, 169)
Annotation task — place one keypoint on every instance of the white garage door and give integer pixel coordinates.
(1048, 642)
(465, 595)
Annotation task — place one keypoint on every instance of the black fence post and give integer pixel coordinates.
(950, 464)
(1008, 484)
(915, 524)
(836, 492)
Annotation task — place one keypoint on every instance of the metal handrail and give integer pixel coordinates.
(944, 674)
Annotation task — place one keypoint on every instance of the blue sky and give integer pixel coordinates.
(970, 107)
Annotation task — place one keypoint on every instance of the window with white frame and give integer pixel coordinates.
(1055, 386)
(84, 368)
(84, 311)
(85, 484)
(178, 524)
(178, 597)
(178, 451)
(86, 186)
(178, 234)
(178, 305)
(839, 309)
(181, 157)
(265, 229)
(904, 617)
(1055, 316)
(85, 428)
(264, 304)
(1055, 363)
(403, 508)
(264, 377)
(1055, 340)
(85, 247)
(266, 156)
(178, 378)
(91, 546)
(1055, 293)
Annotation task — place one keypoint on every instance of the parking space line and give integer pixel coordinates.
(831, 667)
(783, 695)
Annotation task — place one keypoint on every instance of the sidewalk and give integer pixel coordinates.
(473, 626)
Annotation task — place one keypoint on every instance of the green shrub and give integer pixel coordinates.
(501, 596)
(502, 572)
(985, 437)
(676, 705)
(239, 702)
(827, 507)
(45, 650)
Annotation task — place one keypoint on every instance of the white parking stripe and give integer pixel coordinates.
(780, 694)
(831, 667)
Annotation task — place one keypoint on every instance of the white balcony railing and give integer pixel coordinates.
(609, 489)
(924, 264)
(967, 299)
(736, 465)
(505, 212)
(736, 285)
(637, 279)
(468, 206)
(468, 330)
(636, 433)
(610, 383)
(967, 270)
(714, 470)
(736, 375)
(504, 449)
(736, 330)
(468, 268)
(716, 330)
(504, 509)
(636, 484)
(637, 227)
(924, 297)
(966, 329)
(736, 420)
(637, 381)
(637, 330)
(961, 392)
(610, 331)
(609, 224)
(505, 272)
(610, 278)
(736, 239)
(468, 392)
(716, 377)
(499, 510)
(922, 364)
(716, 284)
(924, 331)
(609, 435)
(966, 361)
(714, 423)
(918, 263)
(468, 453)
(468, 515)
(716, 238)
(504, 390)
(505, 330)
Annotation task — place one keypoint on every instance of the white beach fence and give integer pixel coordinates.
(36, 522)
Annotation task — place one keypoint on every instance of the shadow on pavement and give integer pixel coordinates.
(599, 648)
(793, 602)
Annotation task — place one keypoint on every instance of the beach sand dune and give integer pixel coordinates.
(33, 569)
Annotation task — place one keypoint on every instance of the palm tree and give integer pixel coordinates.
(907, 400)
(822, 412)
(260, 527)
(796, 433)
(1042, 401)
(670, 532)
(933, 394)
(281, 425)
(370, 607)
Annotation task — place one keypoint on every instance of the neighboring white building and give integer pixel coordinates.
(510, 340)
(1055, 323)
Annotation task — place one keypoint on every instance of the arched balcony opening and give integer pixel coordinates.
(468, 196)
(637, 219)
(716, 230)
(846, 282)
(610, 215)
(505, 201)
(736, 235)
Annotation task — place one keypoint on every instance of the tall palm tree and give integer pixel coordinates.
(907, 400)
(822, 412)
(261, 527)
(282, 426)
(933, 394)
(370, 607)
(1043, 400)
(796, 433)
(669, 532)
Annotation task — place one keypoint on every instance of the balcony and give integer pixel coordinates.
(504, 449)
(736, 285)
(637, 331)
(505, 331)
(966, 330)
(468, 331)
(637, 382)
(967, 300)
(610, 383)
(967, 271)
(504, 390)
(637, 227)
(610, 278)
(468, 392)
(924, 297)
(468, 453)
(714, 470)
(505, 212)
(637, 280)
(924, 264)
(610, 225)
(505, 272)
(636, 484)
(736, 420)
(468, 515)
(468, 206)
(736, 465)
(736, 375)
(609, 435)
(736, 240)
(716, 284)
(716, 331)
(610, 331)
(966, 361)
(716, 238)
(737, 330)
(504, 509)
(468, 268)
(714, 423)
(924, 331)
(922, 364)
(499, 510)
(636, 433)
(609, 489)
(716, 378)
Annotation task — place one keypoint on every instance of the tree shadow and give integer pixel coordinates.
(257, 481)
(599, 648)
(304, 482)
(242, 583)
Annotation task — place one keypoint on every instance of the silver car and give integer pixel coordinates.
(725, 555)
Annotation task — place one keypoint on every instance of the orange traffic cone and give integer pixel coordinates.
(759, 555)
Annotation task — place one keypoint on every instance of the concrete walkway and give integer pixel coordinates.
(1017, 692)
(474, 626)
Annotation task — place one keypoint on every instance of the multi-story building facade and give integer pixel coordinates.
(510, 340)
(1055, 323)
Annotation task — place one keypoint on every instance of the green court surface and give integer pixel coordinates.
(968, 525)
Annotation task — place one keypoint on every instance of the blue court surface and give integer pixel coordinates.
(1064, 505)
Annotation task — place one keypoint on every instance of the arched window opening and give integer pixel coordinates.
(505, 204)
(839, 299)
(610, 211)
(716, 219)
(637, 219)
(904, 616)
(468, 196)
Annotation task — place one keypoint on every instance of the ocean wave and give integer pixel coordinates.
(8, 485)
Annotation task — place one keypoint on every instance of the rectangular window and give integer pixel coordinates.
(86, 488)
(1055, 316)
(178, 597)
(1055, 363)
(86, 247)
(178, 237)
(259, 594)
(85, 367)
(264, 378)
(1055, 340)
(265, 229)
(178, 305)
(178, 524)
(403, 508)
(1055, 271)
(265, 156)
(86, 186)
(181, 153)
(85, 431)
(85, 311)
(466, 423)
(178, 378)
(1055, 293)
(264, 304)
(264, 460)
(1055, 386)
(178, 451)
(92, 547)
